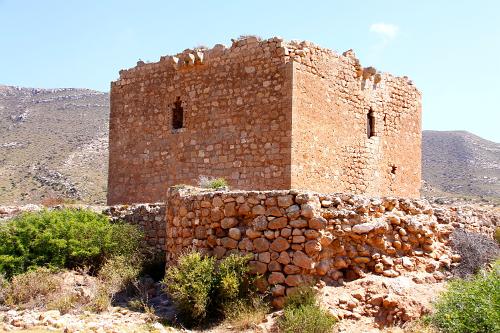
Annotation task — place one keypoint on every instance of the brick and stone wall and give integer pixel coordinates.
(264, 115)
(295, 236)
(331, 151)
(236, 122)
(151, 218)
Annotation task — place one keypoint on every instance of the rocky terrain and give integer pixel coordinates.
(369, 302)
(53, 146)
(459, 163)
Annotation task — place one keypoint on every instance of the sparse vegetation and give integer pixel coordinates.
(190, 284)
(212, 183)
(31, 289)
(65, 238)
(470, 305)
(115, 275)
(56, 201)
(3, 288)
(302, 296)
(303, 314)
(246, 314)
(201, 288)
(241, 37)
(476, 251)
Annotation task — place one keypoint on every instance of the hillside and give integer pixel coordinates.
(460, 163)
(53, 144)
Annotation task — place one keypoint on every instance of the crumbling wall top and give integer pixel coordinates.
(303, 52)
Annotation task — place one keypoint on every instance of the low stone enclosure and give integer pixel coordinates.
(297, 236)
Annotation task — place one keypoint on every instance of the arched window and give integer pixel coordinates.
(370, 124)
(177, 114)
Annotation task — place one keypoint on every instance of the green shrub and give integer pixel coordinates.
(201, 288)
(497, 235)
(306, 295)
(218, 183)
(302, 313)
(190, 284)
(470, 305)
(232, 279)
(65, 238)
(215, 183)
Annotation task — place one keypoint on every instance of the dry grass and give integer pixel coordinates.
(33, 288)
(57, 201)
(244, 316)
(124, 329)
(46, 290)
(411, 327)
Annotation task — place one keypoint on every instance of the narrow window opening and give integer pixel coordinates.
(370, 124)
(177, 114)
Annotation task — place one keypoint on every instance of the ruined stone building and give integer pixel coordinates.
(264, 115)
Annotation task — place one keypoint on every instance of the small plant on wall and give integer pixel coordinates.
(213, 183)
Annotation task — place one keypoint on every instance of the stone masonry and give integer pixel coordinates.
(296, 236)
(264, 115)
(150, 218)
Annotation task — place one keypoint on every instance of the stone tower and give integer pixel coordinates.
(264, 115)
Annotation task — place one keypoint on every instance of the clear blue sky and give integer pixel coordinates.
(451, 49)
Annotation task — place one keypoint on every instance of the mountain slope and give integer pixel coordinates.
(54, 144)
(460, 163)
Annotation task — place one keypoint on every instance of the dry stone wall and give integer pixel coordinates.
(151, 218)
(296, 236)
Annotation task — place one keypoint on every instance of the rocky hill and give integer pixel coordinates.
(461, 164)
(53, 144)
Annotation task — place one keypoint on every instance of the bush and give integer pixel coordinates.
(119, 272)
(190, 285)
(116, 274)
(302, 313)
(476, 251)
(306, 295)
(232, 279)
(67, 238)
(201, 288)
(31, 289)
(497, 235)
(470, 306)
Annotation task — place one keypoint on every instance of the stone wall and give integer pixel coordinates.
(295, 236)
(149, 217)
(331, 151)
(236, 122)
(264, 115)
